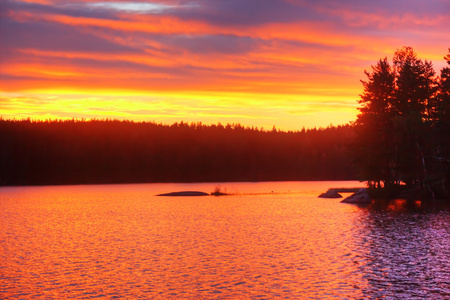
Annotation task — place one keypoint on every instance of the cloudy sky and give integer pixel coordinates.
(288, 63)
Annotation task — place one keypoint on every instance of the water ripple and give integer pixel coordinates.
(121, 242)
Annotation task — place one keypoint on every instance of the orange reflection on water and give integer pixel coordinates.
(397, 205)
(123, 241)
(418, 203)
(403, 204)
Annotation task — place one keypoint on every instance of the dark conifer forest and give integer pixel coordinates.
(112, 151)
(403, 130)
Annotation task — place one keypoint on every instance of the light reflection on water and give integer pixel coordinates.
(121, 241)
(408, 250)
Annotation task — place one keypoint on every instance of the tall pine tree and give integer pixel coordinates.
(394, 129)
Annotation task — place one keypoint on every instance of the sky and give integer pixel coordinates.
(263, 63)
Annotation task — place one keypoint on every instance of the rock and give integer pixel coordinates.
(360, 196)
(330, 194)
(184, 193)
(216, 193)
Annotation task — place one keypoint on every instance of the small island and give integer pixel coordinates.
(184, 194)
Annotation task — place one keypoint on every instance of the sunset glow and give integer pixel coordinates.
(288, 63)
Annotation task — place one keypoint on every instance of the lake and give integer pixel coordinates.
(269, 240)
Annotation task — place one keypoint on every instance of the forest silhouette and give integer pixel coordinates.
(400, 138)
(113, 151)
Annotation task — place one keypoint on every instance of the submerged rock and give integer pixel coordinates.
(185, 193)
(361, 196)
(330, 194)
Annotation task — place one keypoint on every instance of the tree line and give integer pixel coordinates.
(113, 151)
(403, 129)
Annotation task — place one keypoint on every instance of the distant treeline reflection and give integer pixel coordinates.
(112, 151)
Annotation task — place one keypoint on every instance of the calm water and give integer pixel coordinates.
(271, 240)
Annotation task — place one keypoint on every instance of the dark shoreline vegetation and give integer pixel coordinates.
(400, 144)
(112, 151)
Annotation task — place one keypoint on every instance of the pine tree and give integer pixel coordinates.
(394, 130)
(443, 126)
(374, 124)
